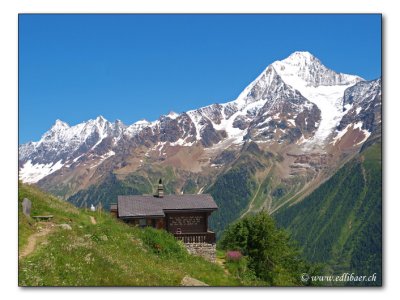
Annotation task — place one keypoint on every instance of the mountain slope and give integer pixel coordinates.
(233, 189)
(108, 253)
(340, 223)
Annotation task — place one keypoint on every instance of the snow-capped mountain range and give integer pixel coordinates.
(296, 102)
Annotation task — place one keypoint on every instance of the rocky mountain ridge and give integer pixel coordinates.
(301, 120)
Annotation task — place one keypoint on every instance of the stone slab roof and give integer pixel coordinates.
(139, 206)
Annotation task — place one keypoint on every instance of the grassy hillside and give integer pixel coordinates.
(340, 223)
(108, 253)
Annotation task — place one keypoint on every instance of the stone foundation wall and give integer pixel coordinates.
(207, 251)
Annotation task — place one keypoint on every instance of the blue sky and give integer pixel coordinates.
(132, 67)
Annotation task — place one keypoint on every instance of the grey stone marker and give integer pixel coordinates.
(26, 207)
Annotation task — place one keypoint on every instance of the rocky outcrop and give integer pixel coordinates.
(189, 281)
(313, 159)
(364, 104)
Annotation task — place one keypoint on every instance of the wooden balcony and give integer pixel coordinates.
(197, 237)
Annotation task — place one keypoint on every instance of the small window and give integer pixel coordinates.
(142, 222)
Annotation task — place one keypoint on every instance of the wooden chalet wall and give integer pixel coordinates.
(187, 222)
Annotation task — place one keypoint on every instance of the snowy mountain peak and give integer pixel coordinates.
(136, 127)
(142, 122)
(99, 122)
(172, 115)
(301, 58)
(101, 119)
(260, 83)
(56, 131)
(59, 125)
(306, 69)
(320, 85)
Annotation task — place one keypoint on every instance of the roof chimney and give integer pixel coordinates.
(160, 189)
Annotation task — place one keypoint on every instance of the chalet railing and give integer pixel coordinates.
(198, 237)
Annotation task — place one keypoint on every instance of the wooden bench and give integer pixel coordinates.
(43, 218)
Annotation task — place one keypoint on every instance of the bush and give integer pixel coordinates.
(271, 255)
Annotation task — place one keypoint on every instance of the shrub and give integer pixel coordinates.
(271, 255)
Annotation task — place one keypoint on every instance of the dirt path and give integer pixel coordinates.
(221, 262)
(299, 193)
(32, 240)
(251, 201)
(93, 220)
(362, 158)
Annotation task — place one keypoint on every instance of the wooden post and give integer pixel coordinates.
(100, 208)
(206, 214)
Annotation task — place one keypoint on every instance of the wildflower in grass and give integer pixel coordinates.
(158, 247)
(233, 255)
